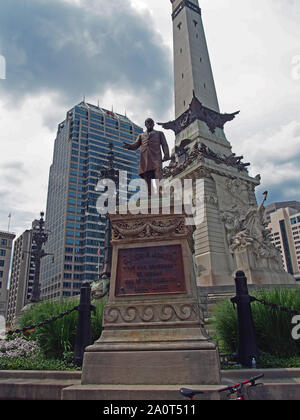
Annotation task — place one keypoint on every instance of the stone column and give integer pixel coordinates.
(211, 253)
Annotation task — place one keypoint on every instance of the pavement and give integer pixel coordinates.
(279, 384)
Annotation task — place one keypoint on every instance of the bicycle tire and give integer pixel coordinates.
(255, 392)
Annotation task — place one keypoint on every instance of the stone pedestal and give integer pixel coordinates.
(262, 271)
(153, 332)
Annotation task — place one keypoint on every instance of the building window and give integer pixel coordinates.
(286, 247)
(4, 242)
(2, 263)
(2, 252)
(1, 274)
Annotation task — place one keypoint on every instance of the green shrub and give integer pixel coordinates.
(35, 363)
(268, 361)
(272, 327)
(57, 338)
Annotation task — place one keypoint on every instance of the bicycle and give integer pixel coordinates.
(237, 390)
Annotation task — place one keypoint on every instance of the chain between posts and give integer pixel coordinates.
(275, 306)
(40, 324)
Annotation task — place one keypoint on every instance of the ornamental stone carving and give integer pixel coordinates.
(246, 230)
(151, 314)
(186, 156)
(153, 228)
(195, 112)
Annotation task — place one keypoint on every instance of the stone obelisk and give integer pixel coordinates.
(192, 67)
(231, 234)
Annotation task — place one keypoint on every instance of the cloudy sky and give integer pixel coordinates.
(120, 53)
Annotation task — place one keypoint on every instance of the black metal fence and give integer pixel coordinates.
(84, 326)
(247, 345)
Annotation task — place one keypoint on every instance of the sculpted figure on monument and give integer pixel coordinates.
(232, 225)
(254, 221)
(247, 230)
(151, 142)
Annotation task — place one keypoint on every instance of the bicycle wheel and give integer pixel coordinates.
(255, 392)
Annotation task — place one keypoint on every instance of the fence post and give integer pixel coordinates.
(247, 346)
(84, 327)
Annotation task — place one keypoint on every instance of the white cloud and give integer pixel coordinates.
(278, 145)
(275, 155)
(26, 155)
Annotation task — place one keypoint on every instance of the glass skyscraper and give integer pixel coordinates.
(76, 229)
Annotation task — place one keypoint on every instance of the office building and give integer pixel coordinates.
(76, 233)
(272, 208)
(285, 233)
(22, 275)
(6, 243)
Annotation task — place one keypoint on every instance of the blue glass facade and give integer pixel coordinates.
(77, 232)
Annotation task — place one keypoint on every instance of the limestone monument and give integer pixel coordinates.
(153, 329)
(231, 234)
(153, 332)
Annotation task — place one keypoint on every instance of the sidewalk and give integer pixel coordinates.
(280, 384)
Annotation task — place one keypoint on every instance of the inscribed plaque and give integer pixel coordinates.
(150, 270)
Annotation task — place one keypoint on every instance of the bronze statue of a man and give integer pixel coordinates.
(151, 142)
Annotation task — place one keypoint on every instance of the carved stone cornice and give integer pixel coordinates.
(182, 5)
(195, 112)
(147, 227)
(187, 157)
(132, 314)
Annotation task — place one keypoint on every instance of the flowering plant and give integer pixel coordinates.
(18, 347)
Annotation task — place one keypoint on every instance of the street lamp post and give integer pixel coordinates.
(39, 238)
(109, 173)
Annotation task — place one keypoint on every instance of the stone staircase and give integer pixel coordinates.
(209, 297)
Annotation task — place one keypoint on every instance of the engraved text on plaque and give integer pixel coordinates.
(150, 270)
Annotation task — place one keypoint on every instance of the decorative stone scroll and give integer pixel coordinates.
(161, 313)
(145, 228)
